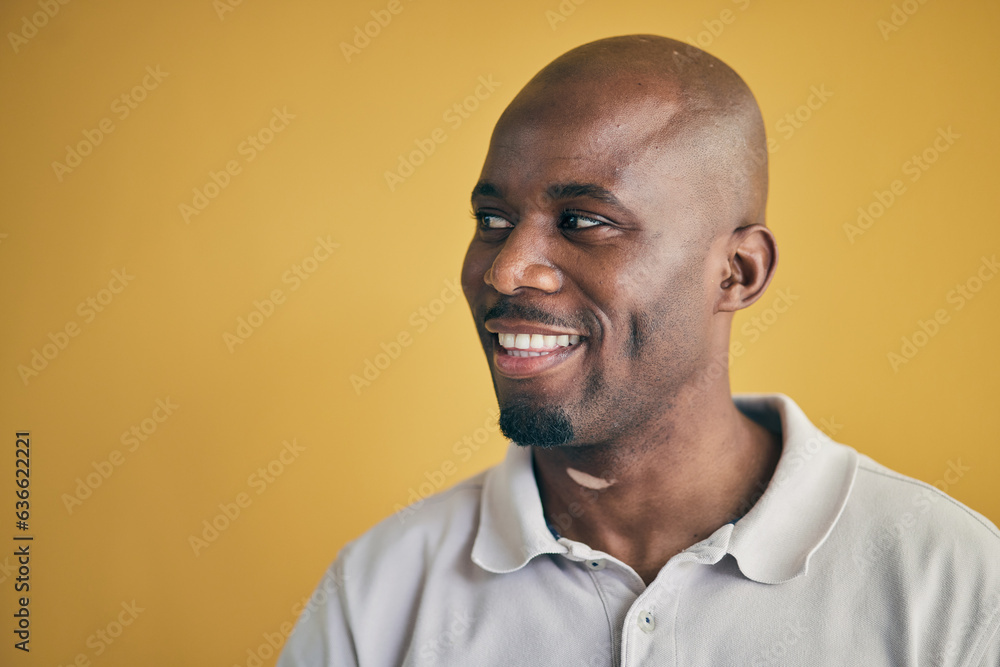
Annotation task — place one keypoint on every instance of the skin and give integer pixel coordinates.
(647, 262)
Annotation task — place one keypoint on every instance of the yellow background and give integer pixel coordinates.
(323, 175)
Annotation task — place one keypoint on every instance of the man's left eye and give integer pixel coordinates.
(575, 221)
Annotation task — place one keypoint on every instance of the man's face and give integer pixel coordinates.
(590, 229)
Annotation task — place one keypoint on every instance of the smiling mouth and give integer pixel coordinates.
(534, 345)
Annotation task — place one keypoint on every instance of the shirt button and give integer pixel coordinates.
(646, 622)
(595, 564)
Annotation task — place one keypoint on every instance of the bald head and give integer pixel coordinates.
(619, 209)
(683, 109)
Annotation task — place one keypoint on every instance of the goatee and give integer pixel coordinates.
(536, 426)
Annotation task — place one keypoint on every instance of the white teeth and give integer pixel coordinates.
(545, 343)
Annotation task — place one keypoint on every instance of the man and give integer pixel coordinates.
(645, 516)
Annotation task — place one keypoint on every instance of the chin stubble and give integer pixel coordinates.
(527, 425)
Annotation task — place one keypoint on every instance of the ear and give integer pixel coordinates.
(751, 259)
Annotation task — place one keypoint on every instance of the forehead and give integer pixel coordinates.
(622, 144)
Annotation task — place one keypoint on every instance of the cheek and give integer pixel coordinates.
(663, 320)
(474, 268)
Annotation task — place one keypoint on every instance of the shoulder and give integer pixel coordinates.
(912, 538)
(416, 536)
(922, 554)
(378, 580)
(889, 496)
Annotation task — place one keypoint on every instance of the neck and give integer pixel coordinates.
(654, 493)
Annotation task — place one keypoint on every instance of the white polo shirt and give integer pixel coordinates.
(841, 562)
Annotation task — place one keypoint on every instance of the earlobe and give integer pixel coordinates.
(752, 257)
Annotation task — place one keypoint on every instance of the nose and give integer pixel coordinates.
(524, 261)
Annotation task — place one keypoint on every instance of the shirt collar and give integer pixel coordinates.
(512, 527)
(803, 500)
(772, 543)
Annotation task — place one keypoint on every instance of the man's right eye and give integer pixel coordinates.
(492, 221)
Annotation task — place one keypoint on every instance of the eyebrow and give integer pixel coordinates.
(591, 190)
(557, 191)
(486, 189)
